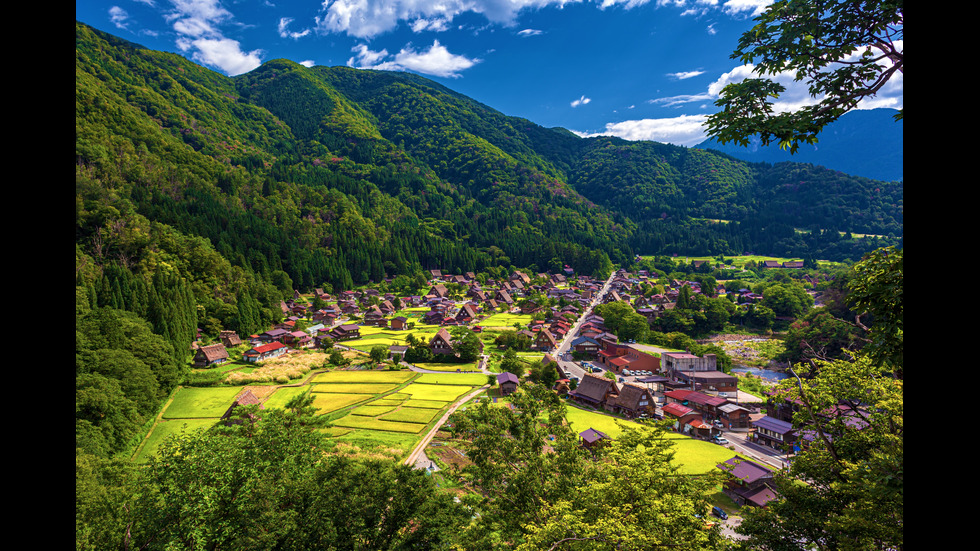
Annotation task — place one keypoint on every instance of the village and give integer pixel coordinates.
(595, 371)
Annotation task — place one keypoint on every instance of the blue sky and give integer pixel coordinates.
(638, 69)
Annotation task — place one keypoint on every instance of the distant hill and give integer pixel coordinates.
(861, 143)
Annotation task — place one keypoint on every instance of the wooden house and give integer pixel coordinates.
(508, 383)
(265, 352)
(244, 399)
(632, 401)
(399, 323)
(230, 339)
(441, 343)
(594, 391)
(345, 332)
(748, 483)
(591, 438)
(544, 341)
(208, 356)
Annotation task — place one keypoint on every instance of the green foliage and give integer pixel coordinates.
(844, 51)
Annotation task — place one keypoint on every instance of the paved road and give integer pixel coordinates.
(417, 458)
(570, 368)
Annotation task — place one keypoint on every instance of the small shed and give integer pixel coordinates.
(508, 383)
(591, 438)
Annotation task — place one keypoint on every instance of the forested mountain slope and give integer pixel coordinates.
(302, 176)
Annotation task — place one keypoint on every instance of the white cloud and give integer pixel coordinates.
(581, 101)
(686, 130)
(285, 33)
(197, 24)
(753, 7)
(369, 18)
(119, 17)
(529, 32)
(437, 60)
(685, 75)
(226, 54)
(307, 63)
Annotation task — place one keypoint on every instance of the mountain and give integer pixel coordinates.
(865, 143)
(293, 177)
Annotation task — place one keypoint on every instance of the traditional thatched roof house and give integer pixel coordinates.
(441, 343)
(244, 399)
(632, 401)
(210, 355)
(594, 391)
(230, 339)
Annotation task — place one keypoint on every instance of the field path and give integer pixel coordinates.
(417, 458)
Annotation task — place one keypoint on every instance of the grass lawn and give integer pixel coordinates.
(467, 379)
(447, 393)
(200, 403)
(166, 429)
(693, 456)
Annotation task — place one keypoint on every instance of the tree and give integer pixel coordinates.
(466, 344)
(845, 51)
(379, 353)
(272, 485)
(845, 490)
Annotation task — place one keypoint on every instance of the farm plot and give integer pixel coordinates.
(466, 379)
(164, 430)
(201, 403)
(372, 410)
(426, 404)
(506, 320)
(353, 388)
(329, 402)
(447, 367)
(282, 396)
(361, 422)
(447, 393)
(364, 377)
(411, 415)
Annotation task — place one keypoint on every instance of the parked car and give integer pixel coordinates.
(627, 372)
(718, 424)
(720, 440)
(719, 512)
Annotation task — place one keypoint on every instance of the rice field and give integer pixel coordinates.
(373, 410)
(364, 377)
(448, 367)
(201, 403)
(361, 422)
(446, 393)
(411, 415)
(164, 430)
(506, 320)
(467, 379)
(328, 403)
(282, 396)
(354, 388)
